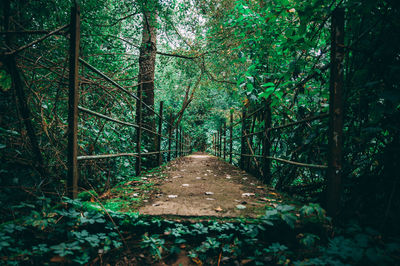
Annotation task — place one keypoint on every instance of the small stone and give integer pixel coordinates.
(155, 204)
(198, 177)
(172, 196)
(240, 207)
(228, 177)
(244, 178)
(210, 199)
(185, 185)
(209, 193)
(247, 194)
(145, 200)
(135, 194)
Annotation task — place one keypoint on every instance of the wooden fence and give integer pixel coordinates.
(182, 141)
(222, 146)
(165, 134)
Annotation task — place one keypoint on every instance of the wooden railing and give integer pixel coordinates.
(263, 160)
(182, 141)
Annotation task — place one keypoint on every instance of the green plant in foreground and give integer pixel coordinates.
(154, 244)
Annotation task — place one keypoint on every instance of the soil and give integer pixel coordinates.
(204, 185)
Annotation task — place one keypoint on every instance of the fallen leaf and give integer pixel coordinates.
(246, 261)
(58, 259)
(197, 261)
(218, 209)
(267, 199)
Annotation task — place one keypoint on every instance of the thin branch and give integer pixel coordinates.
(36, 41)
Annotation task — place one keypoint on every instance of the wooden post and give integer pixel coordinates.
(335, 134)
(160, 121)
(213, 144)
(266, 146)
(176, 141)
(73, 98)
(243, 141)
(224, 140)
(139, 132)
(169, 137)
(218, 134)
(231, 137)
(220, 142)
(180, 142)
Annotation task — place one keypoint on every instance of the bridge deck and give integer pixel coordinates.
(203, 185)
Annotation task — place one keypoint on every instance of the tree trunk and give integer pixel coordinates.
(147, 60)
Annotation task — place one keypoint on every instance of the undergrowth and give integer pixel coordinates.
(79, 232)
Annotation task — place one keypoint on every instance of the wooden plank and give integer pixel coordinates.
(335, 134)
(285, 161)
(73, 98)
(105, 156)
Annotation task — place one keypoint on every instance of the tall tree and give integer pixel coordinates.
(147, 60)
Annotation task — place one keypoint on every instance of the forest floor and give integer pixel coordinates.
(203, 185)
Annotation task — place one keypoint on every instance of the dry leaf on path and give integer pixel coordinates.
(218, 209)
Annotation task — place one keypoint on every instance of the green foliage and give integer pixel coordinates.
(154, 244)
(280, 213)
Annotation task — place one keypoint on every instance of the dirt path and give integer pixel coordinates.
(203, 185)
